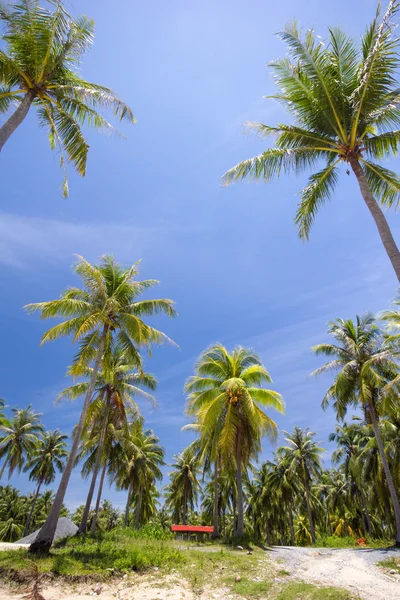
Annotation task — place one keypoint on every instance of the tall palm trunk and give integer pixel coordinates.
(137, 510)
(99, 493)
(378, 216)
(29, 519)
(289, 510)
(99, 454)
(185, 502)
(239, 484)
(44, 539)
(385, 464)
(309, 510)
(128, 505)
(215, 533)
(16, 118)
(366, 512)
(267, 530)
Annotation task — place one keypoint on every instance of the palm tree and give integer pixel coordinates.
(20, 439)
(302, 457)
(106, 308)
(184, 487)
(344, 101)
(364, 367)
(39, 67)
(116, 386)
(45, 460)
(137, 464)
(349, 439)
(282, 483)
(12, 514)
(226, 397)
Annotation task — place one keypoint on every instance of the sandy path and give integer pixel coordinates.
(129, 589)
(354, 570)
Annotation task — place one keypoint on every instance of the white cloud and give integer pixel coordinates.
(24, 240)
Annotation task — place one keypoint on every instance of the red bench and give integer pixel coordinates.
(197, 529)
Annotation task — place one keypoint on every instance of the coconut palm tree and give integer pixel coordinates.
(45, 460)
(184, 487)
(350, 440)
(137, 466)
(116, 387)
(345, 104)
(364, 367)
(302, 457)
(39, 67)
(105, 309)
(20, 438)
(12, 514)
(226, 396)
(282, 484)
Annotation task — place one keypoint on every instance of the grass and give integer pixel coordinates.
(123, 551)
(334, 541)
(390, 563)
(213, 568)
(102, 555)
(306, 591)
(252, 589)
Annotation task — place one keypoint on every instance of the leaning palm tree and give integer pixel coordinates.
(106, 308)
(345, 104)
(364, 368)
(117, 385)
(226, 396)
(20, 438)
(302, 457)
(39, 66)
(45, 460)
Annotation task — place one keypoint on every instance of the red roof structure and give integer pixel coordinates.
(192, 528)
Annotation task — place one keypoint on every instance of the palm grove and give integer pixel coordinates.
(345, 104)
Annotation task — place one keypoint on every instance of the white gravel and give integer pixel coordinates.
(352, 569)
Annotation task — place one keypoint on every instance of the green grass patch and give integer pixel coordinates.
(211, 569)
(334, 541)
(251, 589)
(100, 555)
(306, 591)
(390, 563)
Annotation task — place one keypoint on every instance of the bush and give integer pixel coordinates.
(334, 541)
(150, 531)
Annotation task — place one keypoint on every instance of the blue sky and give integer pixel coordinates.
(193, 73)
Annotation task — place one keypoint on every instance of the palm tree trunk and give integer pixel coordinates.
(309, 510)
(385, 464)
(44, 539)
(215, 533)
(16, 118)
(267, 530)
(128, 505)
(99, 454)
(292, 542)
(366, 512)
(239, 483)
(378, 216)
(29, 519)
(184, 509)
(137, 510)
(99, 493)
